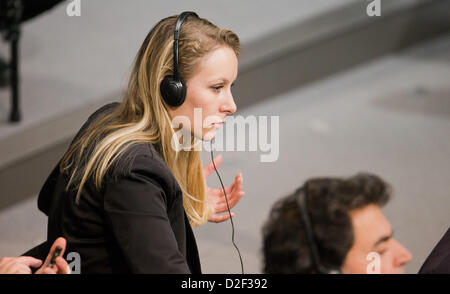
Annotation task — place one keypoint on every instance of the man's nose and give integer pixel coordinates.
(403, 256)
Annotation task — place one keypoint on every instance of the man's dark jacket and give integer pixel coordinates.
(135, 224)
(438, 262)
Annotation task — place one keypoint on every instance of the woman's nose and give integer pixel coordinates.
(229, 107)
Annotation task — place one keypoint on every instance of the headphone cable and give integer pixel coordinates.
(228, 207)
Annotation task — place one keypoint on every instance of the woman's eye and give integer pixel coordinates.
(217, 88)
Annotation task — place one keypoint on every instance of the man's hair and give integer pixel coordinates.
(329, 201)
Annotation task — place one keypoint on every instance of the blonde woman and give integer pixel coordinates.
(123, 197)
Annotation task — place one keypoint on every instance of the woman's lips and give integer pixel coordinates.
(218, 125)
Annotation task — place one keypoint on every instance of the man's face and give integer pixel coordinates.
(373, 233)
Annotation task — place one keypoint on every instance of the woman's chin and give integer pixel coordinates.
(209, 135)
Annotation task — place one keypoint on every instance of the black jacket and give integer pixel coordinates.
(438, 262)
(135, 224)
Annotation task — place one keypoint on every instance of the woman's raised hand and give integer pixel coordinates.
(216, 196)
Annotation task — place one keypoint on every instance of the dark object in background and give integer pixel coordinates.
(33, 8)
(12, 14)
(4, 73)
(438, 262)
(30, 9)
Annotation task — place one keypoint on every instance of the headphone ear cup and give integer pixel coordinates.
(173, 91)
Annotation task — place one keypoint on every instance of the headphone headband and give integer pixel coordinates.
(176, 37)
(314, 252)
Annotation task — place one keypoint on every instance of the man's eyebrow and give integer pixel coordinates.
(383, 239)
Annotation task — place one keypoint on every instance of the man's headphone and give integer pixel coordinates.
(172, 87)
(314, 252)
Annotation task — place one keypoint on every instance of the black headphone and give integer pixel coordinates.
(172, 87)
(314, 252)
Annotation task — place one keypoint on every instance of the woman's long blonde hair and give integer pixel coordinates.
(143, 115)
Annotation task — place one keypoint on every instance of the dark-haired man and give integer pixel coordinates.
(332, 225)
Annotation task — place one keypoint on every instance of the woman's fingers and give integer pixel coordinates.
(235, 190)
(234, 194)
(209, 168)
(218, 218)
(236, 186)
(217, 197)
(221, 206)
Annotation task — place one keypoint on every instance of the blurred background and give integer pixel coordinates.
(353, 93)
